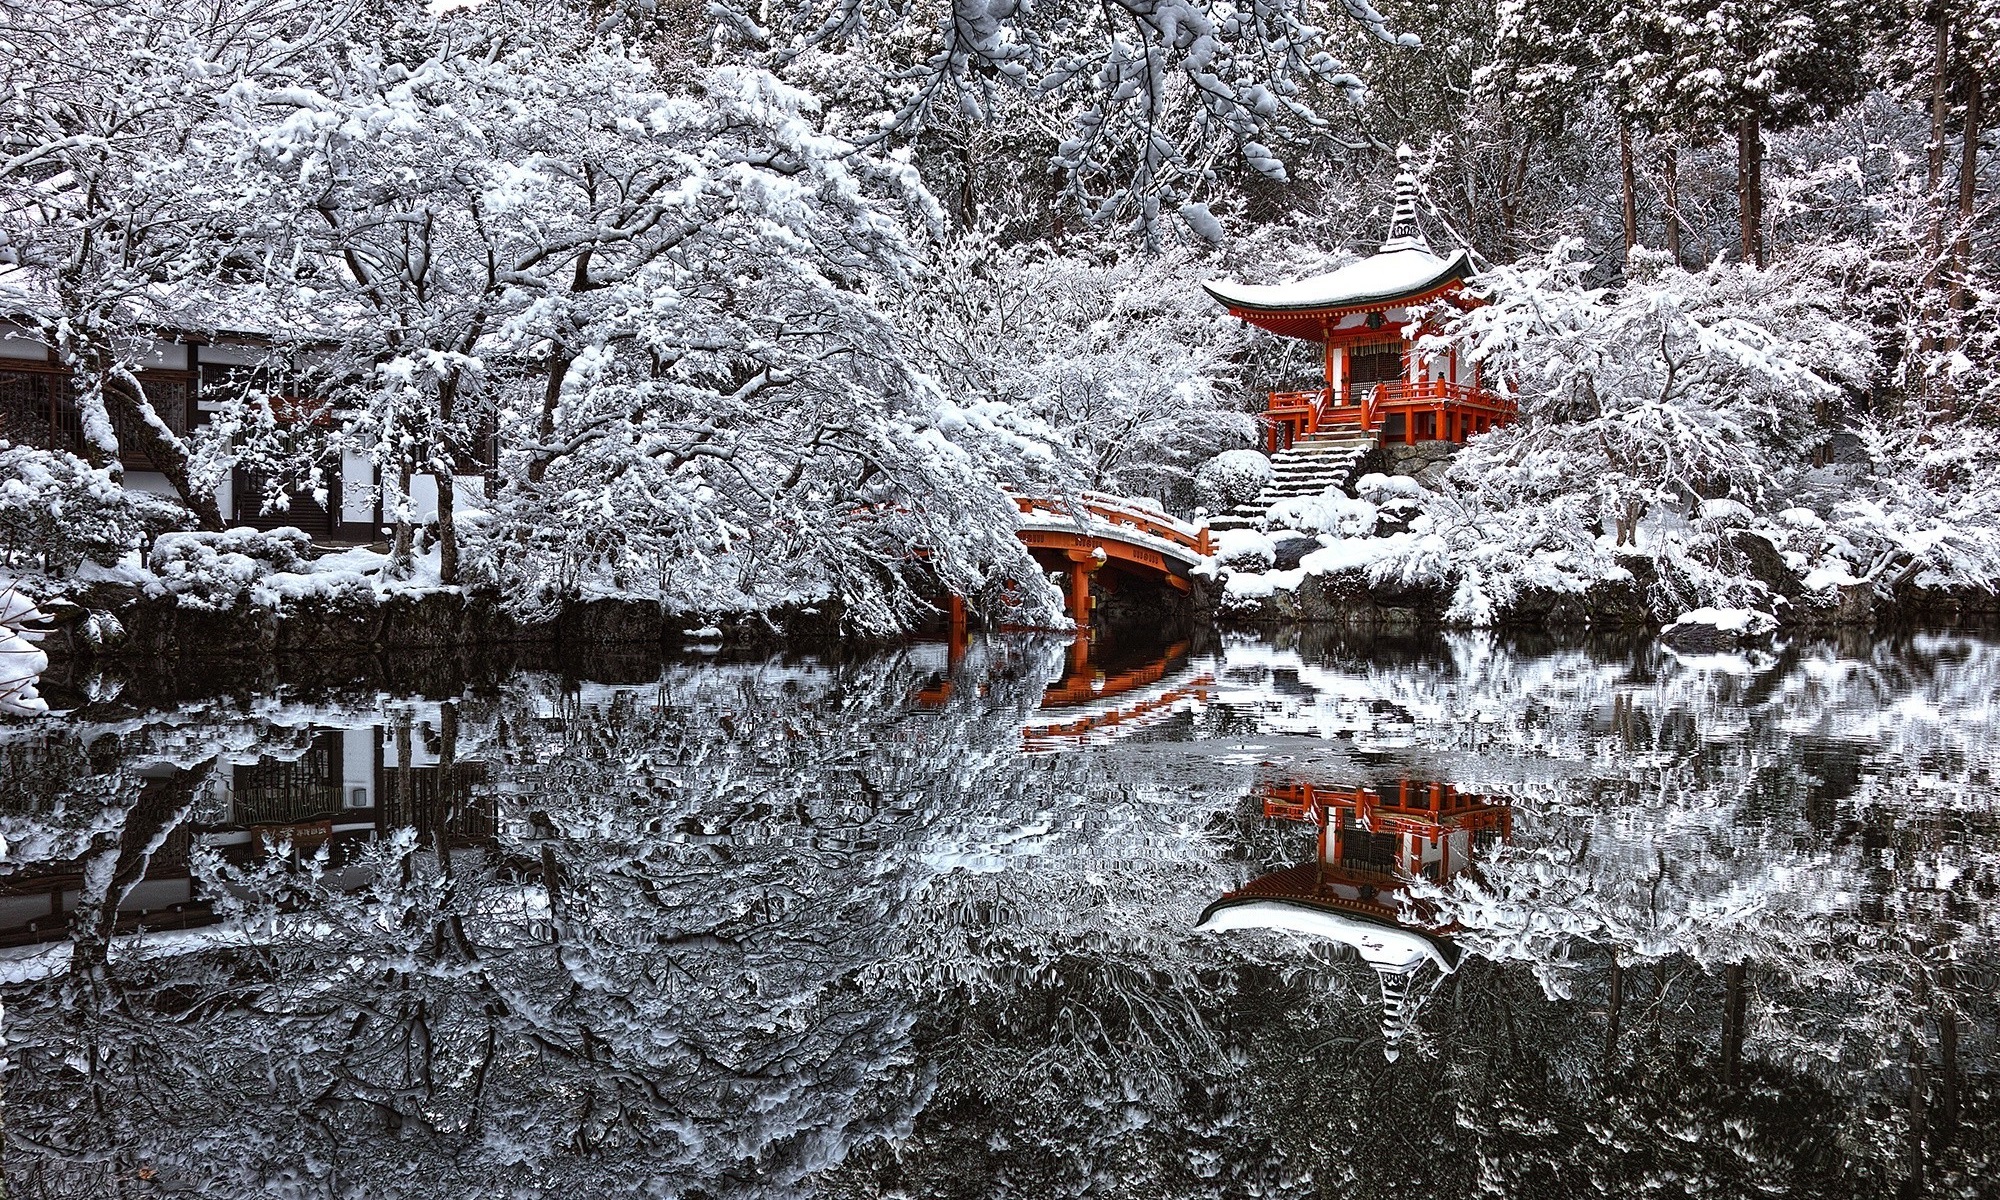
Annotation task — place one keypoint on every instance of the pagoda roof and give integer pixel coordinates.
(1393, 276)
(1380, 941)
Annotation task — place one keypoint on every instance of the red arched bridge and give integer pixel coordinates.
(1111, 538)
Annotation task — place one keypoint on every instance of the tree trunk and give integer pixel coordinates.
(402, 550)
(1629, 182)
(1940, 110)
(1750, 189)
(117, 859)
(444, 798)
(1733, 1004)
(1671, 171)
(444, 466)
(404, 806)
(545, 429)
(169, 455)
(1913, 1184)
(1968, 189)
(1616, 1009)
(1948, 1048)
(447, 527)
(127, 413)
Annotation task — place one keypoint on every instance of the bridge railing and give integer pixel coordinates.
(1117, 512)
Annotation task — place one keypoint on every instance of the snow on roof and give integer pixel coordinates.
(1380, 945)
(1379, 279)
(23, 291)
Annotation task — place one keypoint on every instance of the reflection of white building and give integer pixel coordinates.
(186, 377)
(1371, 843)
(332, 787)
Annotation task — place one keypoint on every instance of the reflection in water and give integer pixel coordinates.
(1354, 892)
(925, 923)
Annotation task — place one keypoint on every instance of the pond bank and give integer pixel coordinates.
(119, 621)
(164, 616)
(1630, 600)
(116, 621)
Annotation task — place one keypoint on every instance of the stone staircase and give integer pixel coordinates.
(1312, 465)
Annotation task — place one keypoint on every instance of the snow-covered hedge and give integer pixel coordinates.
(238, 566)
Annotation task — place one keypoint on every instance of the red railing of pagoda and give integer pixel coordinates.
(1432, 410)
(1407, 804)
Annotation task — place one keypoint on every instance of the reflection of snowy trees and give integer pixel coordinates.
(695, 952)
(776, 927)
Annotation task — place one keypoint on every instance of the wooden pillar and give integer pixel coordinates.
(1326, 356)
(955, 608)
(1081, 564)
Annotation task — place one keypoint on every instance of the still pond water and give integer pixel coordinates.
(1303, 915)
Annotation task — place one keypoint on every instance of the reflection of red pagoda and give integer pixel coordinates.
(1371, 843)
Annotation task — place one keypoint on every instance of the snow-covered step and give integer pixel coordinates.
(1308, 467)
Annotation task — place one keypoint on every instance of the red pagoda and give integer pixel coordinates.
(1366, 319)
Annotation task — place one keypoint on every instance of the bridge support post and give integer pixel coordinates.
(955, 610)
(1081, 564)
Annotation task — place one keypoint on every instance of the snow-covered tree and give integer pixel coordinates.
(21, 661)
(120, 210)
(1074, 373)
(1137, 103)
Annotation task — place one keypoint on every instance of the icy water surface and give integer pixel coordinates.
(1299, 917)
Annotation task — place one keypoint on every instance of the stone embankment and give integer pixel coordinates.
(119, 622)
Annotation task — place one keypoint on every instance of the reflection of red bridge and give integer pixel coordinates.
(1354, 891)
(1110, 537)
(1086, 703)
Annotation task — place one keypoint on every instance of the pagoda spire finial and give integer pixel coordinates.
(1399, 1011)
(1404, 232)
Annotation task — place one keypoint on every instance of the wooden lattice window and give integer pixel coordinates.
(278, 792)
(1371, 363)
(35, 410)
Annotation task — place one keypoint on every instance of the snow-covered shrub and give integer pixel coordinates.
(57, 510)
(1329, 512)
(21, 661)
(1677, 388)
(283, 549)
(1244, 549)
(1723, 514)
(1379, 489)
(1231, 478)
(218, 570)
(1931, 513)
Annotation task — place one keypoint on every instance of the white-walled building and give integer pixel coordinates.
(186, 377)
